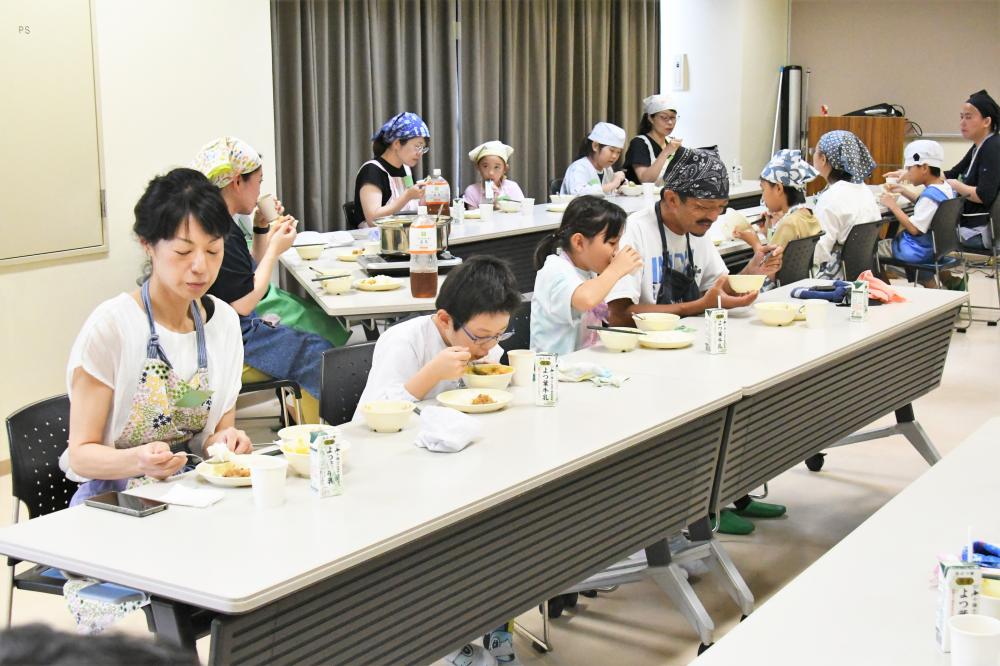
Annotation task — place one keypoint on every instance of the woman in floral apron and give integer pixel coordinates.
(156, 372)
(384, 185)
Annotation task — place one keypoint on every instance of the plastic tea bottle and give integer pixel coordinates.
(437, 194)
(423, 256)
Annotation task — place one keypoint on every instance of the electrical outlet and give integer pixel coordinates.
(678, 72)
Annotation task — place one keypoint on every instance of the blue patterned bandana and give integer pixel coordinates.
(405, 125)
(789, 169)
(848, 153)
(698, 173)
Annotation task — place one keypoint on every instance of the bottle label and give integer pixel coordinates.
(437, 193)
(423, 239)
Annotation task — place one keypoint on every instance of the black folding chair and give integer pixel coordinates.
(859, 252)
(349, 208)
(344, 375)
(520, 324)
(282, 389)
(797, 260)
(555, 185)
(994, 222)
(943, 231)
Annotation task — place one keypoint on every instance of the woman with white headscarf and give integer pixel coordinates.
(592, 172)
(649, 153)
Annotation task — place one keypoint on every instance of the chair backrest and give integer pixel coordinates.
(344, 374)
(38, 435)
(797, 260)
(944, 227)
(555, 185)
(520, 322)
(858, 254)
(348, 207)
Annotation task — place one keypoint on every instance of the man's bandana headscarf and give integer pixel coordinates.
(698, 173)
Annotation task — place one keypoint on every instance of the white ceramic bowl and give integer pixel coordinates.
(619, 342)
(776, 313)
(666, 340)
(338, 285)
(744, 284)
(298, 461)
(632, 190)
(387, 415)
(298, 436)
(561, 198)
(508, 206)
(310, 252)
(656, 321)
(501, 380)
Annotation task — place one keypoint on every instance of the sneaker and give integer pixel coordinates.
(500, 643)
(761, 510)
(471, 655)
(730, 523)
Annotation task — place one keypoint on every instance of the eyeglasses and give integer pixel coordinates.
(506, 335)
(667, 118)
(423, 150)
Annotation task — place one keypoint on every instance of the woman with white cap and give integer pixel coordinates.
(491, 160)
(649, 153)
(592, 173)
(384, 185)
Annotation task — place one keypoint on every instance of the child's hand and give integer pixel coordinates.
(625, 261)
(450, 363)
(618, 179)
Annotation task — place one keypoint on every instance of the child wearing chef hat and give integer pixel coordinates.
(592, 173)
(492, 161)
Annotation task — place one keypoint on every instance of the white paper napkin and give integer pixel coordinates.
(334, 238)
(179, 493)
(446, 430)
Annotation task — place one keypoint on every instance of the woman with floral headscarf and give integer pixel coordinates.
(384, 185)
(787, 218)
(270, 348)
(844, 161)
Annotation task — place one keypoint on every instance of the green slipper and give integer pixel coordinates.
(761, 510)
(730, 523)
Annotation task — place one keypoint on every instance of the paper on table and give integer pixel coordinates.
(179, 493)
(333, 238)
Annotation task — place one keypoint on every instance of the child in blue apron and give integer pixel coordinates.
(156, 372)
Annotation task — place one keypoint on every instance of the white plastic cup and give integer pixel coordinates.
(486, 212)
(817, 313)
(372, 247)
(648, 189)
(975, 640)
(458, 210)
(267, 477)
(523, 362)
(268, 207)
(527, 206)
(989, 606)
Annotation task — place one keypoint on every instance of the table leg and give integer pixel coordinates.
(673, 580)
(908, 427)
(173, 622)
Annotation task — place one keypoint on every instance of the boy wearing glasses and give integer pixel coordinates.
(419, 358)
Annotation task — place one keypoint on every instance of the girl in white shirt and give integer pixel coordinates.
(156, 371)
(844, 161)
(592, 173)
(578, 265)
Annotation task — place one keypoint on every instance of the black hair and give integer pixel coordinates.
(935, 171)
(379, 145)
(793, 195)
(587, 215)
(645, 124)
(172, 198)
(838, 175)
(38, 644)
(481, 285)
(587, 149)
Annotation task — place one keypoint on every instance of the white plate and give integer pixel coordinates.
(350, 256)
(556, 207)
(470, 214)
(461, 399)
(204, 470)
(362, 285)
(666, 340)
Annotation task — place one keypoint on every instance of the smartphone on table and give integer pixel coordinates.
(131, 505)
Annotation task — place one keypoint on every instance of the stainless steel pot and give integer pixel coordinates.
(395, 234)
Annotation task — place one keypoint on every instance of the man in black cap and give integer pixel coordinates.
(977, 176)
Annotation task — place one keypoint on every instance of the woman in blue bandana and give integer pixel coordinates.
(384, 185)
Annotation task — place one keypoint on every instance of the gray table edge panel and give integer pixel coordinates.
(819, 408)
(417, 602)
(519, 250)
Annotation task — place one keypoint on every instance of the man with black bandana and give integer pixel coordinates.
(683, 272)
(977, 177)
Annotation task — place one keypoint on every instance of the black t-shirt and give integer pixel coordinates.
(984, 176)
(638, 153)
(236, 275)
(372, 175)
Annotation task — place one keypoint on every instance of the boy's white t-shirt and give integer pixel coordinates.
(641, 234)
(582, 178)
(924, 209)
(111, 347)
(555, 325)
(400, 353)
(839, 208)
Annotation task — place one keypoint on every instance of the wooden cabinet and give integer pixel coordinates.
(883, 136)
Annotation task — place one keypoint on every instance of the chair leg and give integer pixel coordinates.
(9, 601)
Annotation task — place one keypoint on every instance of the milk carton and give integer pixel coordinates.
(326, 467)
(959, 586)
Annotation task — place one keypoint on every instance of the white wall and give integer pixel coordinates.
(172, 75)
(734, 50)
